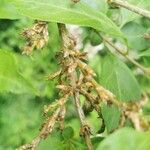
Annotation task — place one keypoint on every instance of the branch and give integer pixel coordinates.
(85, 130)
(68, 45)
(130, 7)
(144, 69)
(129, 110)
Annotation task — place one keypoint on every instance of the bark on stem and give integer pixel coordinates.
(130, 7)
(82, 121)
(144, 69)
(68, 44)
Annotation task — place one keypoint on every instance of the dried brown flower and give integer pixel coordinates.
(37, 37)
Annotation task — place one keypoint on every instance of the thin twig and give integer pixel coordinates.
(85, 130)
(130, 7)
(68, 44)
(144, 69)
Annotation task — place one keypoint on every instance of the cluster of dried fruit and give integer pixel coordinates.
(37, 37)
(76, 78)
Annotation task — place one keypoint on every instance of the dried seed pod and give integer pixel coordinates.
(86, 69)
(28, 33)
(85, 130)
(56, 104)
(146, 35)
(87, 108)
(64, 87)
(54, 75)
(72, 68)
(80, 80)
(37, 37)
(75, 1)
(61, 118)
(28, 48)
(48, 126)
(78, 55)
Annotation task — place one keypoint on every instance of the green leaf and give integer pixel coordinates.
(68, 133)
(8, 11)
(134, 33)
(96, 140)
(67, 12)
(53, 142)
(145, 53)
(126, 139)
(111, 116)
(127, 15)
(10, 79)
(118, 78)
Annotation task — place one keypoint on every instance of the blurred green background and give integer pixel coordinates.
(21, 114)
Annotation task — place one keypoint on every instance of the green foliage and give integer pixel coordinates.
(58, 10)
(8, 11)
(19, 119)
(125, 139)
(94, 38)
(57, 142)
(134, 33)
(22, 77)
(111, 116)
(118, 78)
(126, 16)
(68, 133)
(145, 53)
(11, 80)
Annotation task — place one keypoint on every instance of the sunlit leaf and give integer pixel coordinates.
(10, 79)
(111, 116)
(145, 53)
(68, 133)
(127, 15)
(126, 139)
(135, 35)
(67, 12)
(8, 11)
(118, 78)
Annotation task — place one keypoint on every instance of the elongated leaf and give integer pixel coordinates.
(8, 11)
(10, 79)
(126, 139)
(145, 53)
(65, 11)
(127, 16)
(118, 78)
(134, 33)
(111, 115)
